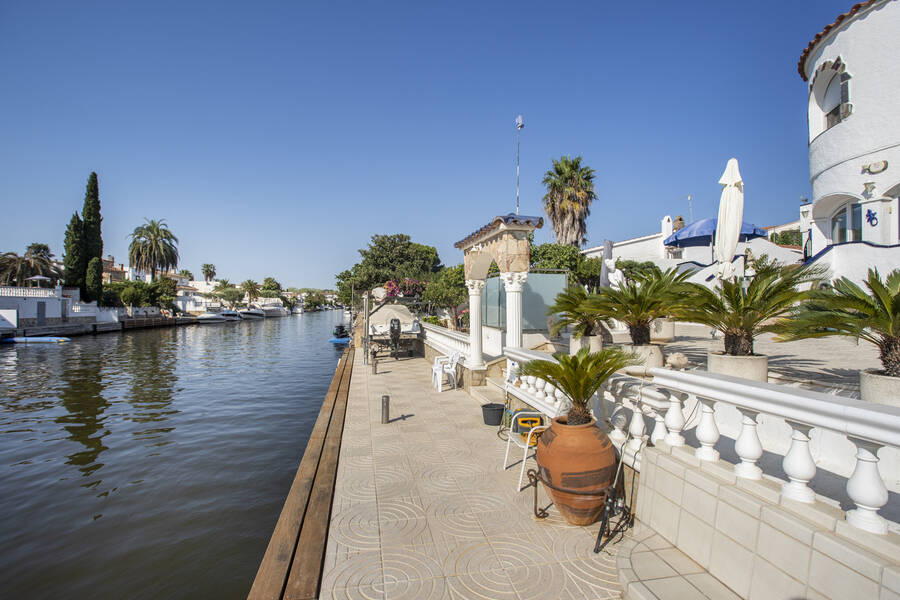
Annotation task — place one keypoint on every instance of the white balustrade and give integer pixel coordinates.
(447, 342)
(23, 292)
(534, 391)
(674, 420)
(872, 429)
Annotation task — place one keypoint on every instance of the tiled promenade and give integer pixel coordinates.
(423, 508)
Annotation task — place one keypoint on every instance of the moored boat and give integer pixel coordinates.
(211, 317)
(252, 313)
(230, 315)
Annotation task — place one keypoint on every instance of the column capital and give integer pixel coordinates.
(513, 281)
(475, 286)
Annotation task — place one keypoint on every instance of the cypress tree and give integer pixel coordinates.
(93, 242)
(93, 280)
(73, 259)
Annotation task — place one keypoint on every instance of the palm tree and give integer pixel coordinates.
(741, 312)
(571, 308)
(848, 310)
(579, 376)
(37, 260)
(186, 274)
(251, 288)
(153, 247)
(570, 191)
(209, 271)
(221, 284)
(652, 294)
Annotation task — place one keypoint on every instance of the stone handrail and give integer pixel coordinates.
(534, 391)
(869, 427)
(22, 292)
(447, 342)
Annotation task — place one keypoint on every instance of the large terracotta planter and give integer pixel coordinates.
(754, 368)
(875, 387)
(580, 458)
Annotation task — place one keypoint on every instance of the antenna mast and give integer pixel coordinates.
(519, 125)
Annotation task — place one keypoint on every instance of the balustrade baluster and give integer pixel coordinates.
(798, 465)
(675, 419)
(867, 490)
(707, 432)
(659, 426)
(636, 429)
(748, 447)
(539, 387)
(530, 380)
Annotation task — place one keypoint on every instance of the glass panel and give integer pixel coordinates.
(856, 220)
(538, 295)
(493, 300)
(839, 227)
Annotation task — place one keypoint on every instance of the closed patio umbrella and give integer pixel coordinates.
(731, 215)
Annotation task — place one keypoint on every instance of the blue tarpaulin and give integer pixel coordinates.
(699, 233)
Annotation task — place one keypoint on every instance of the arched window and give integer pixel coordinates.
(846, 224)
(829, 97)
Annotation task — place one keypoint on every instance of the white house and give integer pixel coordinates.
(853, 219)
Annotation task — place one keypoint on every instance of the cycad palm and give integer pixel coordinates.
(153, 247)
(570, 191)
(743, 312)
(850, 311)
(579, 376)
(571, 310)
(251, 288)
(638, 302)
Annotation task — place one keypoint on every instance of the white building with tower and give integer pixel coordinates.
(853, 219)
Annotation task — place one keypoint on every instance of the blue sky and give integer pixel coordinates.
(276, 138)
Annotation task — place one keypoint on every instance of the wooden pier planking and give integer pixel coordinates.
(292, 565)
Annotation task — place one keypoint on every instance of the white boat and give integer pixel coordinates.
(211, 317)
(272, 310)
(297, 310)
(230, 315)
(252, 313)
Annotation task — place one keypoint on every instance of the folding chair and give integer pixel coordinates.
(524, 432)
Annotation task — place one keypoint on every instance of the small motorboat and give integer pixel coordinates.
(230, 315)
(211, 317)
(252, 313)
(35, 340)
(340, 335)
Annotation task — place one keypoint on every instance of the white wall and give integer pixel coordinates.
(869, 134)
(9, 318)
(854, 260)
(27, 307)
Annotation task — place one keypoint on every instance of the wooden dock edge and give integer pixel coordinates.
(292, 564)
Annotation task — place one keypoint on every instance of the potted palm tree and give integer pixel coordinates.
(639, 301)
(742, 312)
(575, 455)
(570, 309)
(848, 310)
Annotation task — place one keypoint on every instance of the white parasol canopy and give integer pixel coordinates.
(731, 216)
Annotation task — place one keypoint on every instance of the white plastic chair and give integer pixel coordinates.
(526, 440)
(436, 369)
(445, 367)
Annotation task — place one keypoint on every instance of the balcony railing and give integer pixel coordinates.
(22, 292)
(809, 430)
(447, 342)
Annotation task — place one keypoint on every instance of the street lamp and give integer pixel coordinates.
(520, 123)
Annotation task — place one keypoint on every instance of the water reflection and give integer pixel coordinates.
(81, 394)
(153, 381)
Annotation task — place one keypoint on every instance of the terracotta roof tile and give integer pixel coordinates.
(855, 9)
(511, 218)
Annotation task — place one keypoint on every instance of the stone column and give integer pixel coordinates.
(513, 283)
(475, 354)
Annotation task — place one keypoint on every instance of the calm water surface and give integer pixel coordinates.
(154, 464)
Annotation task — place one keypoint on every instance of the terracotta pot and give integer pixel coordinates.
(580, 458)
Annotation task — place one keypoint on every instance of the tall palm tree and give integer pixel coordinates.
(570, 191)
(186, 274)
(153, 247)
(221, 284)
(209, 271)
(37, 260)
(251, 288)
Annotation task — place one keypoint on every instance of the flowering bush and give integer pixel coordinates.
(404, 288)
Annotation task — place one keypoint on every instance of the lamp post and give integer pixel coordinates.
(520, 123)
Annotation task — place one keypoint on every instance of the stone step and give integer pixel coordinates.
(488, 393)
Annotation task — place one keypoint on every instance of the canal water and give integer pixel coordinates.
(154, 463)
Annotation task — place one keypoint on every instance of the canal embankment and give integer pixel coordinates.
(75, 329)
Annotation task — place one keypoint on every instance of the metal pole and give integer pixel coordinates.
(366, 329)
(518, 135)
(690, 208)
(385, 409)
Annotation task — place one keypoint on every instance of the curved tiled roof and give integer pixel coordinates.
(853, 10)
(508, 219)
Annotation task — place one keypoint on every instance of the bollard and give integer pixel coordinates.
(374, 366)
(385, 409)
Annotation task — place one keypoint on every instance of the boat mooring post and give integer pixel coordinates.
(385, 409)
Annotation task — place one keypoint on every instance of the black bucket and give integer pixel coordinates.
(492, 413)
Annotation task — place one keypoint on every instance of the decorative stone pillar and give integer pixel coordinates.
(475, 344)
(513, 283)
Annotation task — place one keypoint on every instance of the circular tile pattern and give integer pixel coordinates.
(409, 564)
